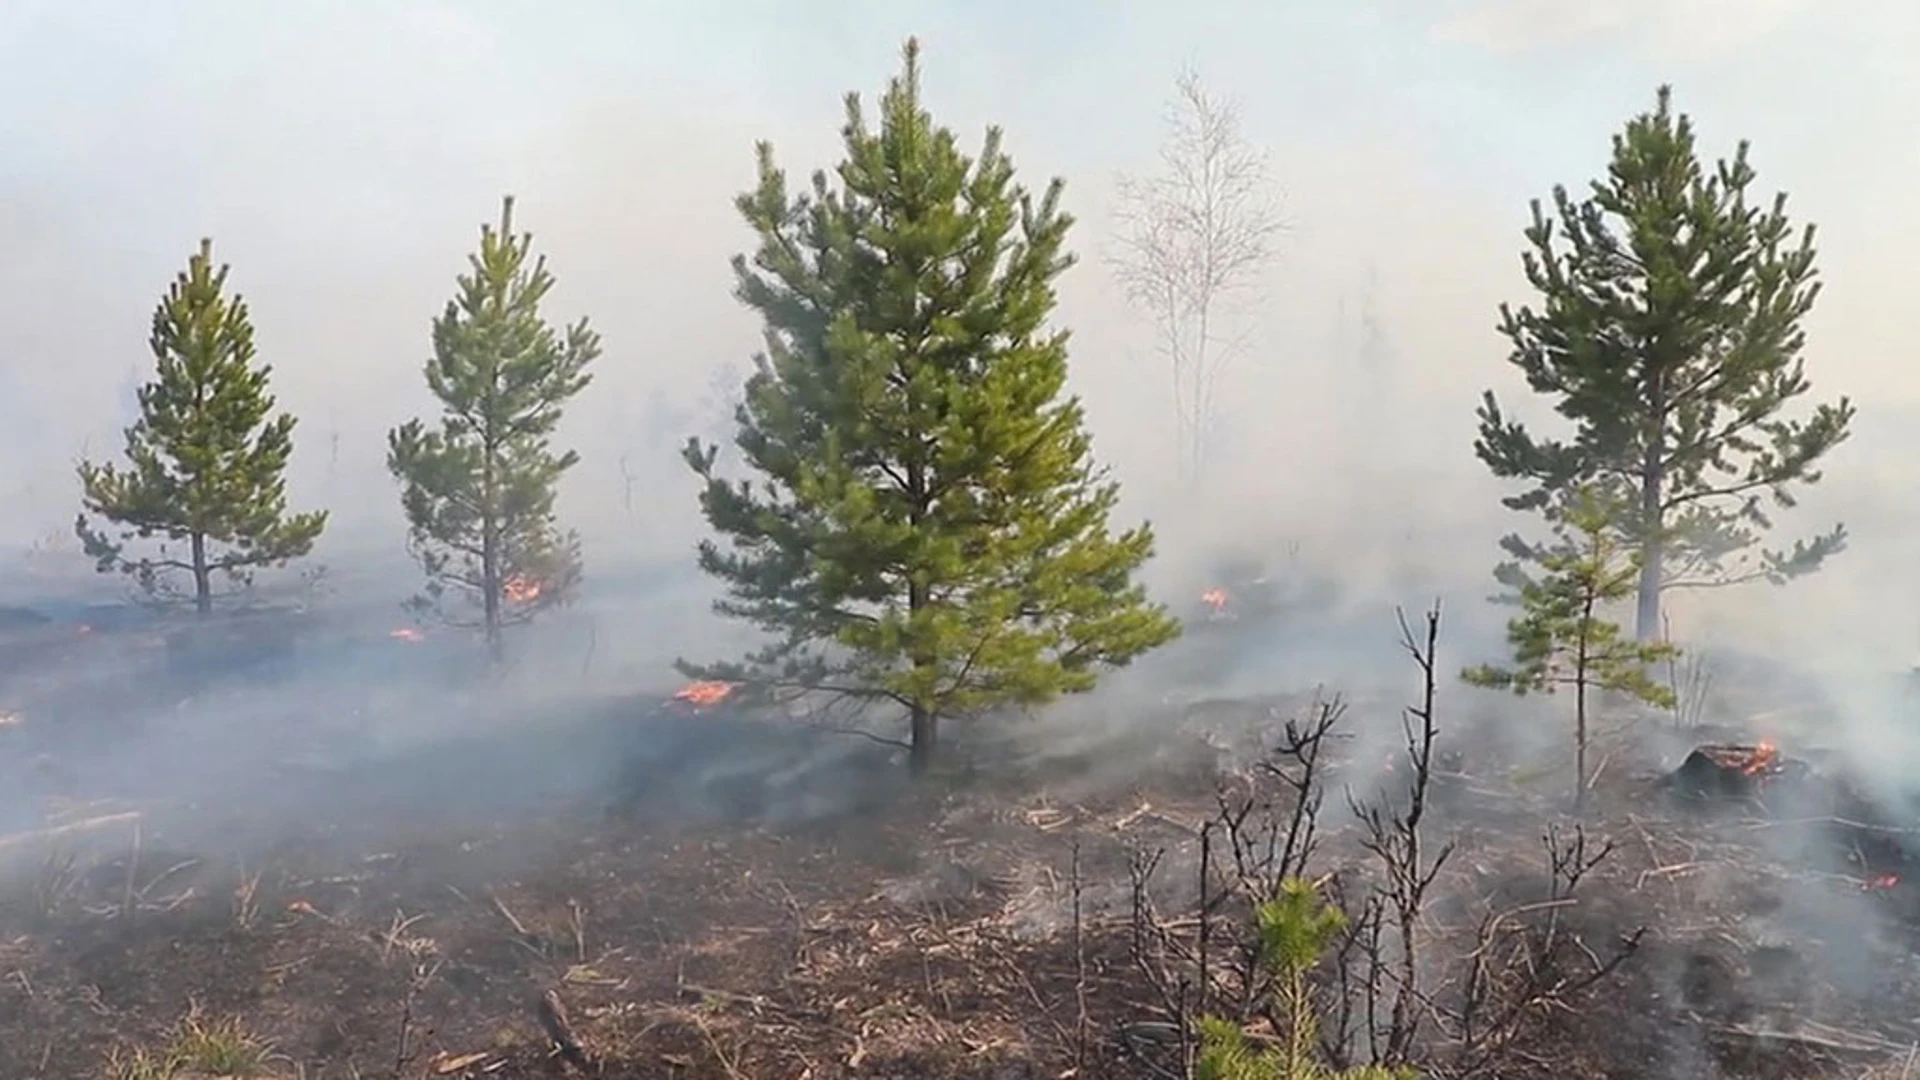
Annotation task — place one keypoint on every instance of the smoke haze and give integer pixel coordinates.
(343, 154)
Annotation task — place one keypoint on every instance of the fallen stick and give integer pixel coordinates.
(697, 992)
(1844, 823)
(23, 839)
(753, 1002)
(506, 913)
(1663, 871)
(1848, 1043)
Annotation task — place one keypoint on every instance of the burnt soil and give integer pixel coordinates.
(803, 911)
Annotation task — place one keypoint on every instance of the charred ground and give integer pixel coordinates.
(708, 894)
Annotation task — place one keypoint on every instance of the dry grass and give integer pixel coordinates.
(222, 1047)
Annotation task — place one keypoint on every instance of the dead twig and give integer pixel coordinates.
(730, 1064)
(23, 839)
(579, 921)
(559, 1028)
(187, 864)
(1393, 834)
(246, 899)
(522, 936)
(395, 934)
(422, 975)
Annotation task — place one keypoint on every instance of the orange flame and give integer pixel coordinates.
(1215, 599)
(520, 589)
(407, 633)
(701, 694)
(1883, 881)
(1762, 759)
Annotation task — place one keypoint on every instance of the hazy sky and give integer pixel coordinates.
(343, 153)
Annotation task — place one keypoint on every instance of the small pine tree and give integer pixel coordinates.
(479, 490)
(1669, 334)
(927, 526)
(206, 456)
(1560, 638)
(1295, 930)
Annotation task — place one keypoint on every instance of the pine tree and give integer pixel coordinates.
(1295, 929)
(479, 489)
(206, 457)
(927, 527)
(1669, 333)
(1561, 638)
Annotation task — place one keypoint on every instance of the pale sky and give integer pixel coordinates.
(342, 154)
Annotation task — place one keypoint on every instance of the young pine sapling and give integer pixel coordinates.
(206, 458)
(1296, 928)
(1561, 639)
(479, 486)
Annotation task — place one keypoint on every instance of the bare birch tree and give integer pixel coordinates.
(1190, 238)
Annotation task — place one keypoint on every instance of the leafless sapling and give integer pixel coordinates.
(1561, 637)
(1191, 238)
(1271, 831)
(1391, 832)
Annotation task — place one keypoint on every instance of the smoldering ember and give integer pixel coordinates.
(549, 608)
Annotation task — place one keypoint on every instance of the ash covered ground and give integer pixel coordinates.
(709, 892)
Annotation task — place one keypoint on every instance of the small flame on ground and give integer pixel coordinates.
(1215, 599)
(520, 589)
(709, 692)
(407, 633)
(1882, 881)
(1762, 759)
(9, 718)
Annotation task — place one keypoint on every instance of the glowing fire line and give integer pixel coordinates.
(702, 694)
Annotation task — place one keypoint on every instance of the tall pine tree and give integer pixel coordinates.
(479, 489)
(206, 456)
(1669, 334)
(927, 526)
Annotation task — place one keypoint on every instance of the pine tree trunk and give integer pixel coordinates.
(490, 587)
(924, 740)
(1580, 710)
(924, 737)
(1646, 624)
(1580, 745)
(490, 583)
(202, 577)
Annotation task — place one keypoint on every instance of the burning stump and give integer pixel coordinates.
(1729, 771)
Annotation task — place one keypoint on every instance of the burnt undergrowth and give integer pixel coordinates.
(712, 894)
